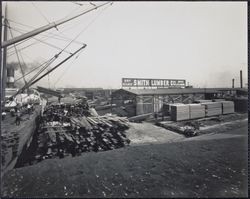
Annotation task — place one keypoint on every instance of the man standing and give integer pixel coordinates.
(18, 118)
(3, 115)
(29, 109)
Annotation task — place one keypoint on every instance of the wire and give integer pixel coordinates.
(33, 70)
(44, 38)
(47, 34)
(85, 28)
(51, 45)
(64, 72)
(17, 55)
(40, 12)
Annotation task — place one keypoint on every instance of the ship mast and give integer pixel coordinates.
(3, 56)
(47, 27)
(32, 33)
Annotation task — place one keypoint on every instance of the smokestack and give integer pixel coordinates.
(241, 83)
(10, 77)
(232, 83)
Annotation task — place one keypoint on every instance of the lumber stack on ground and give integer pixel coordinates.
(167, 107)
(227, 107)
(202, 101)
(218, 100)
(179, 112)
(196, 111)
(212, 108)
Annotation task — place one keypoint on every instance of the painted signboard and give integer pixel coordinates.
(159, 83)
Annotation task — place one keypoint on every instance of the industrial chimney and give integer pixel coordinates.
(232, 83)
(10, 77)
(241, 83)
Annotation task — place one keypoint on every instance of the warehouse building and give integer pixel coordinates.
(142, 101)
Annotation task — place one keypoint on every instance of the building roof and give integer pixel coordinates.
(173, 91)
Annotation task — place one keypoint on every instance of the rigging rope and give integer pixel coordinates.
(51, 45)
(33, 70)
(32, 80)
(85, 28)
(44, 34)
(17, 55)
(66, 69)
(40, 12)
(45, 38)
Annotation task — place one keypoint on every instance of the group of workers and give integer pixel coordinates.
(63, 112)
(16, 112)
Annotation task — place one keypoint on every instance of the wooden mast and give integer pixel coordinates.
(46, 27)
(4, 58)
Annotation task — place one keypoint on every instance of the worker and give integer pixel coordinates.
(3, 115)
(12, 112)
(65, 112)
(156, 115)
(29, 109)
(18, 118)
(59, 99)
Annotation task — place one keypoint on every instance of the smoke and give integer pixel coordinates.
(26, 67)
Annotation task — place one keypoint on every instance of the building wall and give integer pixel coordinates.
(143, 104)
(154, 103)
(126, 100)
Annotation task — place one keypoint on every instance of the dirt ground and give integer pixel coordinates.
(145, 133)
(210, 167)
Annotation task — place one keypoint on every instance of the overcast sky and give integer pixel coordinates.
(202, 42)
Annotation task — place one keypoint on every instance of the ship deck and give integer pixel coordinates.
(14, 137)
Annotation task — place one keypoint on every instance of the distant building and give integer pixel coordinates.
(142, 101)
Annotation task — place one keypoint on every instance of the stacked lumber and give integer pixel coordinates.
(81, 129)
(179, 112)
(227, 107)
(202, 101)
(218, 100)
(212, 108)
(196, 111)
(167, 108)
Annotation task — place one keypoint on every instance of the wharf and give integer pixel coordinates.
(14, 138)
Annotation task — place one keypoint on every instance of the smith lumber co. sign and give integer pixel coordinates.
(164, 83)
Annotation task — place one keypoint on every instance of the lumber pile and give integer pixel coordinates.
(76, 129)
(196, 111)
(166, 108)
(179, 112)
(227, 107)
(212, 108)
(202, 101)
(218, 100)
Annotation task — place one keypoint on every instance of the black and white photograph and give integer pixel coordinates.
(124, 99)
